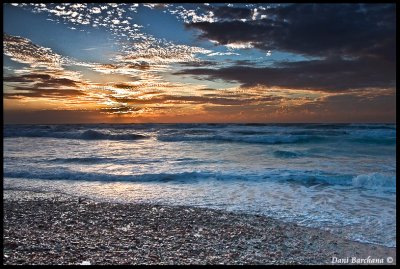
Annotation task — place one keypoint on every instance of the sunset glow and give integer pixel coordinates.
(127, 63)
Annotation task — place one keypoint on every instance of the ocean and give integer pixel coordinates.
(336, 177)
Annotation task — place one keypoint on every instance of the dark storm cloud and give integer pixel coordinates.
(333, 74)
(230, 13)
(356, 44)
(313, 29)
(244, 62)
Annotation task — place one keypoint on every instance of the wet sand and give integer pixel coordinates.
(50, 228)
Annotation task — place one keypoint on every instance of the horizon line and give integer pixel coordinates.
(214, 123)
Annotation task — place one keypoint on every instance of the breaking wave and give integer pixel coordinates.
(85, 135)
(261, 133)
(372, 181)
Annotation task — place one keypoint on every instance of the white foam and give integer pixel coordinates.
(376, 181)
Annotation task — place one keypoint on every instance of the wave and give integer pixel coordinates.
(95, 135)
(372, 181)
(259, 133)
(90, 176)
(246, 132)
(83, 160)
(375, 140)
(390, 126)
(85, 135)
(272, 139)
(320, 132)
(376, 136)
(191, 161)
(188, 131)
(98, 160)
(285, 154)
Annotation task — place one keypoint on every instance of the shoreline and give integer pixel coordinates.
(54, 228)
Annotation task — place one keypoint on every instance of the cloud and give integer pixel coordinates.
(55, 81)
(223, 13)
(38, 91)
(192, 15)
(119, 110)
(45, 75)
(134, 70)
(245, 62)
(240, 45)
(157, 6)
(160, 52)
(311, 29)
(42, 85)
(334, 74)
(234, 98)
(222, 53)
(112, 16)
(23, 50)
(351, 108)
(44, 79)
(135, 46)
(354, 44)
(352, 47)
(199, 63)
(208, 13)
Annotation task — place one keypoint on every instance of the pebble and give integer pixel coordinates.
(141, 234)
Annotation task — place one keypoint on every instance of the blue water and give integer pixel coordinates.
(337, 177)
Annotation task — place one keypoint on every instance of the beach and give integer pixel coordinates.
(54, 228)
(199, 134)
(336, 177)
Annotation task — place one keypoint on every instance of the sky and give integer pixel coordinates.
(199, 62)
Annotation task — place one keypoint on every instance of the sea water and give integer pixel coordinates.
(336, 177)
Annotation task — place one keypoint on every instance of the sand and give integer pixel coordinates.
(51, 228)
